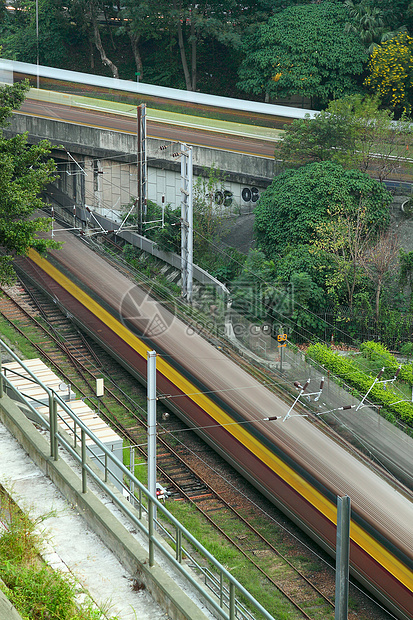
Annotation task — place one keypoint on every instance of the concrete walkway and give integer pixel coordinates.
(71, 545)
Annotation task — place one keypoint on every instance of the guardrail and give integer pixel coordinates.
(8, 67)
(221, 591)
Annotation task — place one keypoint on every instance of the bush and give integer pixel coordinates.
(377, 352)
(407, 349)
(347, 370)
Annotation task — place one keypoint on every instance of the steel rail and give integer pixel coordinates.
(130, 436)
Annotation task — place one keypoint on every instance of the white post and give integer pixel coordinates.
(151, 396)
(187, 232)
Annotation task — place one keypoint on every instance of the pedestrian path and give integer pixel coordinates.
(71, 545)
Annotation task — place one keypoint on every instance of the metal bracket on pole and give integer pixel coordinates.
(302, 389)
(187, 232)
(342, 557)
(377, 380)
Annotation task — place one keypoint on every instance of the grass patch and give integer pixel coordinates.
(235, 562)
(12, 337)
(37, 591)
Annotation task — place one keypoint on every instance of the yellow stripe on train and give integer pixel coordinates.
(314, 497)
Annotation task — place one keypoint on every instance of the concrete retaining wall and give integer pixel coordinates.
(124, 546)
(7, 611)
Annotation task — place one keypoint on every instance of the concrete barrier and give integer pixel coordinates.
(122, 543)
(7, 611)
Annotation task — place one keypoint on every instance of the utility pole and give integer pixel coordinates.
(142, 165)
(187, 232)
(151, 396)
(342, 557)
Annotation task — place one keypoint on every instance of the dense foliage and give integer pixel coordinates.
(320, 229)
(391, 72)
(347, 370)
(323, 226)
(303, 50)
(24, 171)
(317, 50)
(298, 200)
(352, 131)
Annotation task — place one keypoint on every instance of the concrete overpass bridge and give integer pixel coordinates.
(95, 146)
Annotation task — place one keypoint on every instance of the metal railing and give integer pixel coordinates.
(222, 591)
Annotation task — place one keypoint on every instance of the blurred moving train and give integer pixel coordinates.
(49, 78)
(294, 464)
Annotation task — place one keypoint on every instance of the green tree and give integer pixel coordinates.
(211, 209)
(24, 171)
(297, 201)
(406, 273)
(353, 132)
(168, 235)
(327, 136)
(19, 38)
(194, 22)
(303, 50)
(91, 18)
(391, 73)
(395, 12)
(265, 292)
(140, 21)
(253, 292)
(368, 22)
(343, 239)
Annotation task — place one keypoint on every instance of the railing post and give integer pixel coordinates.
(151, 530)
(221, 589)
(178, 552)
(51, 425)
(132, 471)
(55, 429)
(231, 601)
(84, 479)
(106, 467)
(140, 503)
(1, 377)
(151, 398)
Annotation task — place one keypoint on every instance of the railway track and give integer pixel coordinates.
(184, 463)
